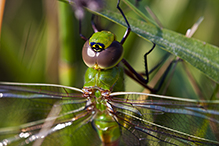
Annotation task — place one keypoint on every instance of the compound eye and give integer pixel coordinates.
(111, 56)
(88, 55)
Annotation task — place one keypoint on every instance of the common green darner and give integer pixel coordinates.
(141, 119)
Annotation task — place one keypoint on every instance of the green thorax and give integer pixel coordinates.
(110, 79)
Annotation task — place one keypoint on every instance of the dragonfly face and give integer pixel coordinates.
(101, 51)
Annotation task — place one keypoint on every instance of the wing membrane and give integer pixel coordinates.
(161, 119)
(26, 109)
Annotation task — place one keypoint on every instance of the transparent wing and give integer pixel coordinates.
(160, 120)
(56, 113)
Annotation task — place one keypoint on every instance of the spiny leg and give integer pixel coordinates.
(131, 75)
(156, 66)
(146, 63)
(135, 75)
(93, 24)
(128, 26)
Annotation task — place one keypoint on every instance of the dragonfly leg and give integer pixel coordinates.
(147, 73)
(128, 26)
(162, 60)
(146, 63)
(139, 76)
(93, 24)
(136, 74)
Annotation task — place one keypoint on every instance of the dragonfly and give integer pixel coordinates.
(101, 113)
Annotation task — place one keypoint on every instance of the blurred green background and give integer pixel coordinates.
(40, 42)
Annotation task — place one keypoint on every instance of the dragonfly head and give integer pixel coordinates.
(102, 51)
